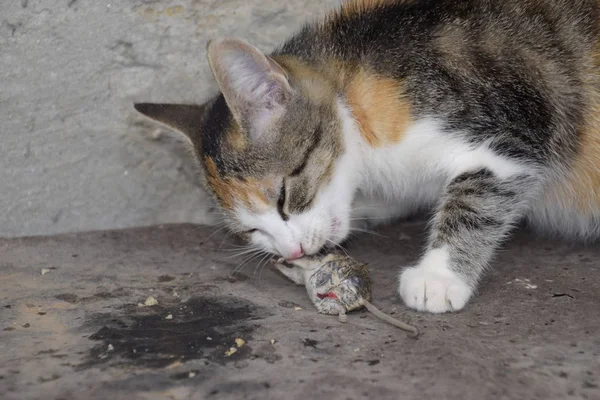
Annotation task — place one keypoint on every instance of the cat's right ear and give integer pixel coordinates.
(255, 87)
(184, 118)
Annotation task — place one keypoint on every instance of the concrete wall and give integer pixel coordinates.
(74, 155)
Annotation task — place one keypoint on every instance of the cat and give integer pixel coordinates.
(484, 111)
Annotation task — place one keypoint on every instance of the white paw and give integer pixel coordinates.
(433, 288)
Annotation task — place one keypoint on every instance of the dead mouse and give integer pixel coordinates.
(336, 284)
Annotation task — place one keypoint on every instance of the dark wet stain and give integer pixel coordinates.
(41, 313)
(27, 325)
(7, 306)
(288, 304)
(192, 374)
(10, 328)
(233, 278)
(73, 298)
(203, 327)
(310, 343)
(267, 353)
(241, 388)
(166, 278)
(52, 377)
(562, 295)
(587, 384)
(49, 351)
(68, 297)
(373, 362)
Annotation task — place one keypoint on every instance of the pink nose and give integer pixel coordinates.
(296, 254)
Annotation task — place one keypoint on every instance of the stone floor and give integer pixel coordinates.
(71, 326)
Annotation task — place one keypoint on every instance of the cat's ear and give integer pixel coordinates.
(255, 87)
(184, 118)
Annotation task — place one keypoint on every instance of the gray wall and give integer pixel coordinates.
(74, 155)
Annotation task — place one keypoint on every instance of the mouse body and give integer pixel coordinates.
(336, 284)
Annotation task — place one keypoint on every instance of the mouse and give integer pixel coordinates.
(336, 284)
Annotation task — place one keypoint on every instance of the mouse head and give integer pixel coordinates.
(314, 261)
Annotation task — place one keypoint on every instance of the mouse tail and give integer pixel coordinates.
(391, 320)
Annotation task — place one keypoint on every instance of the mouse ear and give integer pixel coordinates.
(184, 118)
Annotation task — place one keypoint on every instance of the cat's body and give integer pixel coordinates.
(483, 109)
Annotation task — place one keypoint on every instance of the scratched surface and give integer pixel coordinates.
(79, 331)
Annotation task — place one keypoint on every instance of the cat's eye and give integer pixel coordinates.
(281, 203)
(250, 231)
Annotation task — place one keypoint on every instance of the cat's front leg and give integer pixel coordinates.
(476, 213)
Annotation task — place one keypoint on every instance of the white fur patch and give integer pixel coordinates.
(432, 286)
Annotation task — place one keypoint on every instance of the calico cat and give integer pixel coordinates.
(485, 110)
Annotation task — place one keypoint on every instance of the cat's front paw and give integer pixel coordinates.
(426, 289)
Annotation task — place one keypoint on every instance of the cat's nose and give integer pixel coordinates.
(296, 254)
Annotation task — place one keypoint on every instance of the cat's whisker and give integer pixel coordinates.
(262, 264)
(265, 254)
(214, 233)
(369, 218)
(369, 232)
(244, 252)
(245, 261)
(339, 246)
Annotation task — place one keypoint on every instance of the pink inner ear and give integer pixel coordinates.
(330, 295)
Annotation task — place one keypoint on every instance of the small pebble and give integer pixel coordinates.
(297, 308)
(170, 316)
(150, 301)
(273, 341)
(45, 271)
(208, 338)
(239, 342)
(110, 347)
(229, 352)
(192, 374)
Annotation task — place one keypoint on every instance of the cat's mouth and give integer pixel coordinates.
(310, 258)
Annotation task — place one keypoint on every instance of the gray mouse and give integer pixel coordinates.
(336, 284)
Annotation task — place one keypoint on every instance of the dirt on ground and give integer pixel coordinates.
(157, 313)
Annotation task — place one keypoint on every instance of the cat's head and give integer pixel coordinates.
(272, 148)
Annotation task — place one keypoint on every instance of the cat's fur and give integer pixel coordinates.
(486, 110)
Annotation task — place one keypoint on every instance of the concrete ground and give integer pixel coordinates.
(76, 331)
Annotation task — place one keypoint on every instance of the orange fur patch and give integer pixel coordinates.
(581, 187)
(379, 107)
(235, 138)
(585, 172)
(251, 193)
(315, 83)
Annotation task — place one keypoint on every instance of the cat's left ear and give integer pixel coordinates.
(184, 118)
(255, 87)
